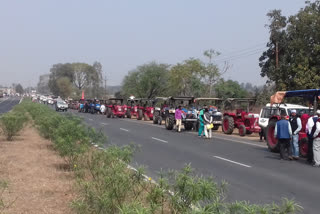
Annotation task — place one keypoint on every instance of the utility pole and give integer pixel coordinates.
(277, 55)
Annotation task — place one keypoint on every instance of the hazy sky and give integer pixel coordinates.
(121, 34)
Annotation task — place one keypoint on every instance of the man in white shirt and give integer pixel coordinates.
(103, 109)
(310, 129)
(296, 126)
(316, 144)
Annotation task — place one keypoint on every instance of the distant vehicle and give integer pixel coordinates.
(61, 105)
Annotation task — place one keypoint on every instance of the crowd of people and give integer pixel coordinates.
(287, 133)
(205, 118)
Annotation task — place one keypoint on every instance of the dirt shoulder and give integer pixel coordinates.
(36, 181)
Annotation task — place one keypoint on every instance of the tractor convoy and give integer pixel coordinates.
(237, 113)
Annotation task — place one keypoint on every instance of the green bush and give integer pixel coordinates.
(11, 123)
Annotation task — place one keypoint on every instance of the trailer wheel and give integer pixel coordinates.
(215, 127)
(128, 114)
(303, 147)
(242, 130)
(228, 125)
(188, 126)
(140, 114)
(155, 117)
(272, 142)
(169, 122)
(108, 112)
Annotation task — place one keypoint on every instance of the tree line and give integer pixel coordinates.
(192, 77)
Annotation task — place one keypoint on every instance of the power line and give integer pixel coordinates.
(249, 53)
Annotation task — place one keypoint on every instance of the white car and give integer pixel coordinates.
(61, 105)
(277, 109)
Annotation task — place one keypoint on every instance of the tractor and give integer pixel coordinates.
(214, 104)
(189, 120)
(115, 108)
(132, 108)
(160, 106)
(245, 121)
(304, 112)
(146, 107)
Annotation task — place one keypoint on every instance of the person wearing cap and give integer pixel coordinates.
(283, 133)
(296, 126)
(310, 129)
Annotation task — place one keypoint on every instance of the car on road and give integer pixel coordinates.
(61, 105)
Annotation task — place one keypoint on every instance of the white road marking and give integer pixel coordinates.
(241, 164)
(238, 141)
(163, 141)
(124, 129)
(104, 124)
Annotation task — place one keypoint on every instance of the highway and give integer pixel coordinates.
(6, 104)
(254, 174)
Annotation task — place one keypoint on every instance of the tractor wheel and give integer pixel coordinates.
(188, 126)
(228, 125)
(155, 117)
(169, 122)
(108, 112)
(303, 147)
(215, 127)
(242, 130)
(140, 114)
(272, 142)
(128, 114)
(248, 132)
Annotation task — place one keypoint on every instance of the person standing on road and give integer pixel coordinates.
(310, 129)
(283, 133)
(178, 117)
(296, 126)
(201, 124)
(316, 144)
(207, 122)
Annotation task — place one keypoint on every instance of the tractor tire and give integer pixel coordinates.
(228, 125)
(140, 115)
(272, 142)
(242, 130)
(215, 127)
(303, 147)
(109, 112)
(248, 132)
(188, 126)
(128, 113)
(169, 122)
(155, 117)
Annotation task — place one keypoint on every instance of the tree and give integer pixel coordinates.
(298, 39)
(146, 81)
(58, 71)
(43, 84)
(185, 78)
(19, 89)
(65, 87)
(230, 89)
(212, 73)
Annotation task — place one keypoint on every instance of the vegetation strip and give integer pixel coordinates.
(106, 185)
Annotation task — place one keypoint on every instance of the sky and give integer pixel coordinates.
(122, 34)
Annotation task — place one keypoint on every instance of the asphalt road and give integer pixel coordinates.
(6, 104)
(254, 174)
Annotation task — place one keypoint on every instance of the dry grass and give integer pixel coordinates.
(37, 183)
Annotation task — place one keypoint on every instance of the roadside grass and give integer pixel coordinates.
(106, 185)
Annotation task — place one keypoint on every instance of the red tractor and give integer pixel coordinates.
(132, 108)
(115, 108)
(245, 121)
(140, 108)
(312, 96)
